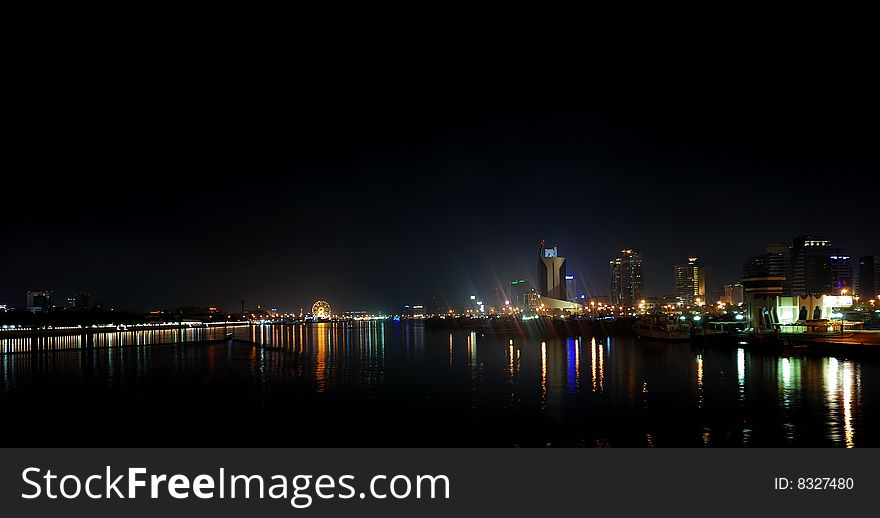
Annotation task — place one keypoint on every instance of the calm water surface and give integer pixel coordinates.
(398, 384)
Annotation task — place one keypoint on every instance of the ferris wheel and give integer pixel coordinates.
(321, 309)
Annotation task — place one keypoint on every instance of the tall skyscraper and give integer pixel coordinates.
(869, 276)
(626, 279)
(551, 274)
(690, 282)
(811, 266)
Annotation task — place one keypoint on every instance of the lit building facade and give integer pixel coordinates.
(626, 279)
(551, 274)
(690, 283)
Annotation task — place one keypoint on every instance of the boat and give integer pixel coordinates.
(661, 328)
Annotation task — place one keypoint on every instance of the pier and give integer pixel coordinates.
(72, 338)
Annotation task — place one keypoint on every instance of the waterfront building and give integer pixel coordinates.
(553, 297)
(626, 279)
(690, 283)
(551, 274)
(761, 298)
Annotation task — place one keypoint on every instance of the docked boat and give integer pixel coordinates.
(661, 328)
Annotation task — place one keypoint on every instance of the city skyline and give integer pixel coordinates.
(691, 283)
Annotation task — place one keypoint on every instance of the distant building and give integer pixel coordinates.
(626, 279)
(868, 277)
(532, 299)
(79, 302)
(414, 310)
(551, 274)
(733, 294)
(571, 288)
(776, 262)
(39, 300)
(690, 283)
(841, 274)
(518, 290)
(811, 266)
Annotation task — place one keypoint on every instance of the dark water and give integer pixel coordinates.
(397, 384)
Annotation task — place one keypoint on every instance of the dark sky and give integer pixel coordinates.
(373, 186)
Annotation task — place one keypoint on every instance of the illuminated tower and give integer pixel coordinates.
(690, 283)
(626, 279)
(551, 273)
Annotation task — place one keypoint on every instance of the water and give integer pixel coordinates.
(398, 384)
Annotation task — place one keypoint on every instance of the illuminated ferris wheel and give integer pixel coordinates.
(321, 309)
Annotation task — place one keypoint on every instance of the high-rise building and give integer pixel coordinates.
(690, 282)
(626, 279)
(571, 288)
(869, 277)
(841, 274)
(776, 262)
(551, 273)
(733, 294)
(811, 266)
(39, 300)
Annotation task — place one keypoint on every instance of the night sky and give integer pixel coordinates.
(376, 186)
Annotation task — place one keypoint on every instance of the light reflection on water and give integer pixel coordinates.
(465, 387)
